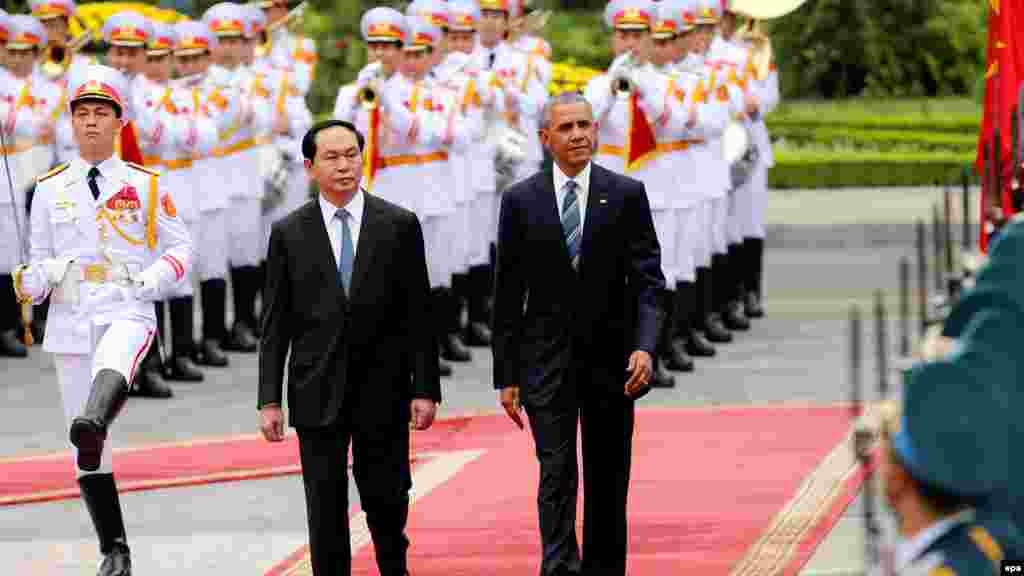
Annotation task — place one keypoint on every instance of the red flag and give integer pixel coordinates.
(1003, 75)
(640, 142)
(371, 161)
(129, 145)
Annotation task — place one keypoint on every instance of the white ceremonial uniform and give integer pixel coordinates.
(95, 324)
(665, 115)
(462, 102)
(689, 164)
(756, 198)
(730, 62)
(538, 54)
(285, 100)
(296, 53)
(21, 124)
(514, 72)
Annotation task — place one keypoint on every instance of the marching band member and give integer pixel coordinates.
(479, 100)
(126, 34)
(523, 94)
(167, 143)
(537, 49)
(730, 63)
(754, 198)
(623, 115)
(693, 289)
(106, 244)
(289, 50)
(240, 158)
(5, 30)
(714, 178)
(451, 85)
(196, 102)
(26, 126)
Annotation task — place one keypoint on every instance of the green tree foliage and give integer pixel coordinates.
(835, 48)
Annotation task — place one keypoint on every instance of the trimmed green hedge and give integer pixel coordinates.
(799, 135)
(828, 169)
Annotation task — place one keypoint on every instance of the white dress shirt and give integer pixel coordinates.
(582, 187)
(103, 181)
(355, 209)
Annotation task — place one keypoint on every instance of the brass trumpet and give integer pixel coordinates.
(368, 97)
(57, 59)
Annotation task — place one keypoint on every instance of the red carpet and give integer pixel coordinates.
(52, 477)
(707, 484)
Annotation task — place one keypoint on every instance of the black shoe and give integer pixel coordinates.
(99, 492)
(444, 369)
(661, 378)
(453, 350)
(240, 340)
(715, 331)
(117, 563)
(209, 354)
(89, 430)
(477, 335)
(676, 358)
(183, 370)
(733, 319)
(752, 305)
(150, 383)
(697, 346)
(10, 346)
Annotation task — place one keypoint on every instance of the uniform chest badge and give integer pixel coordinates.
(126, 199)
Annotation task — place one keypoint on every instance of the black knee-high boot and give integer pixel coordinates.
(240, 338)
(753, 252)
(683, 331)
(10, 312)
(40, 312)
(212, 295)
(452, 348)
(708, 320)
(180, 366)
(460, 294)
(99, 492)
(477, 332)
(730, 288)
(671, 351)
(89, 429)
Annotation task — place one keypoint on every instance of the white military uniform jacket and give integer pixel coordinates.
(766, 89)
(133, 223)
(194, 157)
(296, 53)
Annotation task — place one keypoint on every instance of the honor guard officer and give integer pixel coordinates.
(127, 34)
(23, 126)
(944, 454)
(240, 159)
(106, 243)
(287, 49)
(537, 50)
(192, 102)
(764, 85)
(646, 96)
(57, 62)
(168, 143)
(480, 98)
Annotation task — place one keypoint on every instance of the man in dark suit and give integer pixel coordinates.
(347, 293)
(575, 315)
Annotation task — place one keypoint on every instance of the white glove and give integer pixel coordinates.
(147, 285)
(31, 283)
(55, 269)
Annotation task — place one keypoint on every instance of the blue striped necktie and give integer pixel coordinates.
(571, 224)
(347, 254)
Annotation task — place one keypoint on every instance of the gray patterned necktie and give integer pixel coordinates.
(571, 224)
(347, 254)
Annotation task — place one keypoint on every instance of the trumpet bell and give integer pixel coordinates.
(765, 9)
(368, 97)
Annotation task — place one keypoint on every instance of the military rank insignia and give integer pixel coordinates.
(168, 205)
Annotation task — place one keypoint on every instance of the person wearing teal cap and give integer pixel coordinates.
(942, 459)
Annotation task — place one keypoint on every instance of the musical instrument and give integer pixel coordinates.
(623, 74)
(292, 20)
(761, 54)
(279, 162)
(368, 93)
(765, 9)
(739, 151)
(57, 59)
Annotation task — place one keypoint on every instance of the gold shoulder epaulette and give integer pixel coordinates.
(57, 170)
(942, 571)
(142, 168)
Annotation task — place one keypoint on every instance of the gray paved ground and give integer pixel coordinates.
(798, 354)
